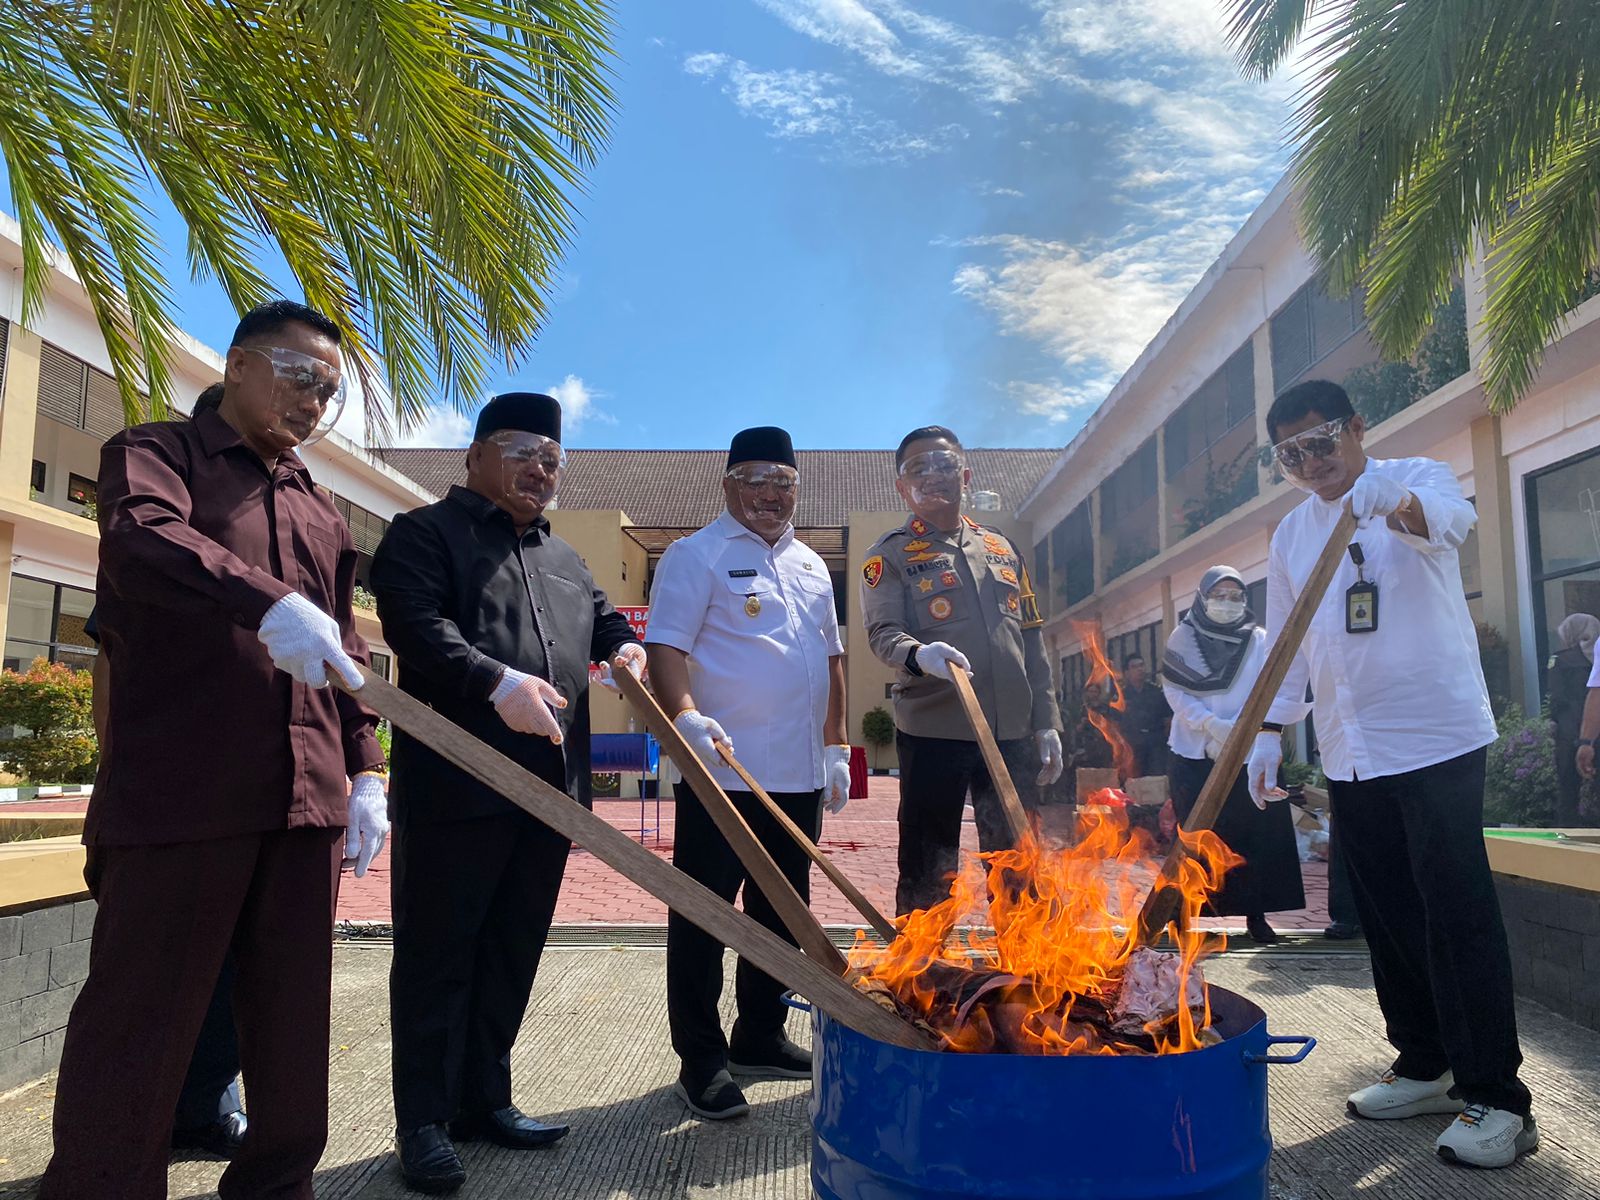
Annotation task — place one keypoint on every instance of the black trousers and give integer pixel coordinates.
(211, 1088)
(694, 957)
(473, 902)
(936, 775)
(1269, 878)
(1341, 900)
(168, 915)
(1420, 874)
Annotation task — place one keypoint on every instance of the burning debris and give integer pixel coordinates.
(1053, 973)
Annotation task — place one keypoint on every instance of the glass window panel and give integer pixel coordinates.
(1332, 320)
(1241, 380)
(1291, 341)
(30, 610)
(19, 655)
(1566, 502)
(78, 660)
(1570, 594)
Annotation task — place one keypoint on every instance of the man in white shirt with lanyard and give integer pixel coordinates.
(744, 650)
(1403, 723)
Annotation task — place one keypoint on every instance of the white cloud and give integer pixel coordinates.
(812, 105)
(577, 400)
(1057, 401)
(444, 427)
(849, 25)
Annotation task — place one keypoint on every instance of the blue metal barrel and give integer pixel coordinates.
(893, 1124)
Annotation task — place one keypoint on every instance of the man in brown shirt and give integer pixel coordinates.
(225, 590)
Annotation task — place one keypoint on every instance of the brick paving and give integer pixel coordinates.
(861, 840)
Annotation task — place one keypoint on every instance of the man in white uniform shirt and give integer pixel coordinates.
(744, 650)
(1403, 722)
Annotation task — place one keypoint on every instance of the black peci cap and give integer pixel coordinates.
(527, 412)
(764, 443)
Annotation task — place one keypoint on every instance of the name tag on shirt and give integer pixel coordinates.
(748, 573)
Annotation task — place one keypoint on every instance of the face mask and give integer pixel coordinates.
(1225, 612)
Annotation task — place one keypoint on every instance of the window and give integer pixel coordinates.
(1472, 570)
(1129, 529)
(1210, 448)
(36, 478)
(1317, 336)
(383, 664)
(81, 490)
(1041, 576)
(1563, 505)
(366, 530)
(46, 620)
(1072, 557)
(76, 394)
(841, 592)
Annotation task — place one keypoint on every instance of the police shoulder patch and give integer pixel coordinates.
(872, 570)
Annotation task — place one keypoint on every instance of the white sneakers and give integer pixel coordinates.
(1487, 1137)
(1479, 1137)
(1394, 1097)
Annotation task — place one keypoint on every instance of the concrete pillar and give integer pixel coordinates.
(19, 412)
(1502, 607)
(1169, 614)
(1261, 360)
(1095, 541)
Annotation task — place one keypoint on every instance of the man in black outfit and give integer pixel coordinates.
(494, 622)
(1145, 720)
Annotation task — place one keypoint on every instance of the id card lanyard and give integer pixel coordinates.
(1361, 598)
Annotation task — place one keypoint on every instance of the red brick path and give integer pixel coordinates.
(861, 840)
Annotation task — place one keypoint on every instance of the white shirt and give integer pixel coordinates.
(1410, 693)
(1594, 673)
(1189, 711)
(759, 626)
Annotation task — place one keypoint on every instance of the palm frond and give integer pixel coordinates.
(412, 161)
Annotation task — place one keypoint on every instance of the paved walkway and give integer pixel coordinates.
(594, 1052)
(861, 840)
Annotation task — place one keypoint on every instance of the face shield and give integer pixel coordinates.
(308, 395)
(529, 467)
(935, 477)
(763, 495)
(1301, 457)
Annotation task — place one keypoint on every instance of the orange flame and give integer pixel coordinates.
(1101, 672)
(1047, 976)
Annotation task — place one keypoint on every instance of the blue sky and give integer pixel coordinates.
(852, 217)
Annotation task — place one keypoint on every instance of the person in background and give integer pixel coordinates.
(1567, 684)
(221, 806)
(1089, 746)
(1145, 717)
(1404, 725)
(1212, 661)
(744, 650)
(1589, 730)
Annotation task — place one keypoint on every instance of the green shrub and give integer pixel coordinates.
(47, 712)
(877, 729)
(1520, 786)
(385, 739)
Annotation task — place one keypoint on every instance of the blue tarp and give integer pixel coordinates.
(624, 752)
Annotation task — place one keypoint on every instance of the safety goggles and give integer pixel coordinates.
(304, 374)
(932, 464)
(1320, 441)
(760, 476)
(518, 450)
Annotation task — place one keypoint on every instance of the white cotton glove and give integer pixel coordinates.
(366, 821)
(1050, 761)
(1376, 496)
(1266, 756)
(835, 777)
(702, 734)
(526, 703)
(303, 640)
(935, 659)
(1217, 732)
(633, 657)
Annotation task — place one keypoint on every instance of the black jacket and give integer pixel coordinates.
(1567, 685)
(461, 596)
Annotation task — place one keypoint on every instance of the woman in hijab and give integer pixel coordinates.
(1211, 663)
(1568, 687)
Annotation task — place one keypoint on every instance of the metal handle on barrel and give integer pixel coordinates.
(1306, 1044)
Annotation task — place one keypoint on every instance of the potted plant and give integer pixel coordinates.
(877, 730)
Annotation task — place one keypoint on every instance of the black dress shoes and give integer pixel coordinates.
(1342, 931)
(222, 1137)
(507, 1127)
(1261, 933)
(428, 1160)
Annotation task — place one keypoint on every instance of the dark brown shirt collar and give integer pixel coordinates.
(216, 435)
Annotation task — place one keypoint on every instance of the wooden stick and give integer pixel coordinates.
(1010, 803)
(792, 911)
(655, 875)
(876, 919)
(1162, 904)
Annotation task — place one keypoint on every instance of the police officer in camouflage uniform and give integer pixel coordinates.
(940, 593)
